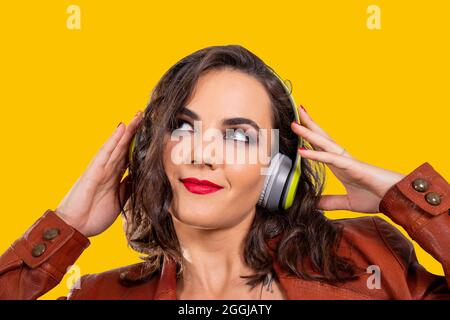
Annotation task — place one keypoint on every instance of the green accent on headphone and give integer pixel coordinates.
(280, 185)
(130, 154)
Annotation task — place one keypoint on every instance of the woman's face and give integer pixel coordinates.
(220, 95)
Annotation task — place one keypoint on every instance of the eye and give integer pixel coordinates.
(183, 125)
(237, 134)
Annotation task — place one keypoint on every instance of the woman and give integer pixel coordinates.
(211, 240)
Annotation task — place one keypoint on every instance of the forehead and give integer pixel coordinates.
(228, 93)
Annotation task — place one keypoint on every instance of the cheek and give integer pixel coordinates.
(245, 179)
(169, 165)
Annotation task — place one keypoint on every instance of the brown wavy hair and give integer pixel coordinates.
(304, 230)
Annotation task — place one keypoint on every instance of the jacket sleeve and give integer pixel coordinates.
(37, 261)
(420, 203)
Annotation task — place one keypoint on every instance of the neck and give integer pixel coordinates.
(213, 260)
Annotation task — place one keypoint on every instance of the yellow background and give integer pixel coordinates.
(382, 94)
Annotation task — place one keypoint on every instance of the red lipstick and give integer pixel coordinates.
(200, 186)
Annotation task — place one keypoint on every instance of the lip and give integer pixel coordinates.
(200, 186)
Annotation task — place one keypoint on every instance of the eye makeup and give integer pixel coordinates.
(247, 136)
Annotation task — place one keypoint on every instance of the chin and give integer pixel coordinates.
(203, 217)
(199, 221)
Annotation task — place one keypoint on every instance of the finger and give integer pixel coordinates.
(108, 147)
(330, 158)
(307, 121)
(122, 148)
(317, 140)
(334, 202)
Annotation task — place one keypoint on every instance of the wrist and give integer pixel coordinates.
(69, 221)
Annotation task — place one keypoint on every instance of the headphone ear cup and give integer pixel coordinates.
(262, 197)
(275, 181)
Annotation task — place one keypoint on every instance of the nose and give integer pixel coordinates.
(203, 153)
(199, 162)
(202, 156)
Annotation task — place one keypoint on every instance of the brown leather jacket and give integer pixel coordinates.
(36, 262)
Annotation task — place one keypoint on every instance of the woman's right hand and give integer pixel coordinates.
(92, 204)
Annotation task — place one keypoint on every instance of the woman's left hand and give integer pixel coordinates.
(365, 184)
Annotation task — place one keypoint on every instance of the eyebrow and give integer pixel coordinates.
(226, 122)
